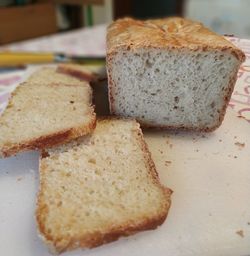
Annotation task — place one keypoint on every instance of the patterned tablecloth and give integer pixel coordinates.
(91, 41)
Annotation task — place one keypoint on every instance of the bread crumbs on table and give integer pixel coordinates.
(239, 145)
(240, 233)
(169, 144)
(167, 163)
(241, 117)
(19, 178)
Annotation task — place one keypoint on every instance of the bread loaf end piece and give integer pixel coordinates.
(170, 73)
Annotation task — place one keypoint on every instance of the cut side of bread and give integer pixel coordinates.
(171, 73)
(99, 187)
(41, 114)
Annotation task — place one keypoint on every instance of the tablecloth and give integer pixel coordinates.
(91, 41)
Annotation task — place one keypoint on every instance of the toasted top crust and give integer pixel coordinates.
(174, 33)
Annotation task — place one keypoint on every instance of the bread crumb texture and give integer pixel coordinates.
(98, 188)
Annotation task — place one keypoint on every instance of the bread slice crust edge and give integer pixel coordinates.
(49, 140)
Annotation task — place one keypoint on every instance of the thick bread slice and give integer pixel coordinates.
(171, 73)
(41, 115)
(99, 187)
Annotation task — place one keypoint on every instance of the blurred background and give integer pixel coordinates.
(26, 19)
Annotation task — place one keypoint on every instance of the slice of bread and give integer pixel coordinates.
(51, 75)
(91, 73)
(45, 112)
(78, 71)
(99, 187)
(171, 73)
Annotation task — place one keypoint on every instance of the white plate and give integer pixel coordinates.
(210, 212)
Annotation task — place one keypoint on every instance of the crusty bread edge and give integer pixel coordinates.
(49, 140)
(130, 46)
(96, 238)
(64, 69)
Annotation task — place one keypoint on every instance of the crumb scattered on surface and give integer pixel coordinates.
(248, 223)
(240, 233)
(161, 151)
(241, 117)
(19, 178)
(170, 144)
(167, 163)
(197, 150)
(235, 156)
(239, 145)
(220, 140)
(235, 137)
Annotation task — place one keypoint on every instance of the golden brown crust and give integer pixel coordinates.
(96, 238)
(50, 139)
(168, 34)
(75, 71)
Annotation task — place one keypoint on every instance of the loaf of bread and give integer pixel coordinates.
(99, 187)
(170, 73)
(48, 109)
